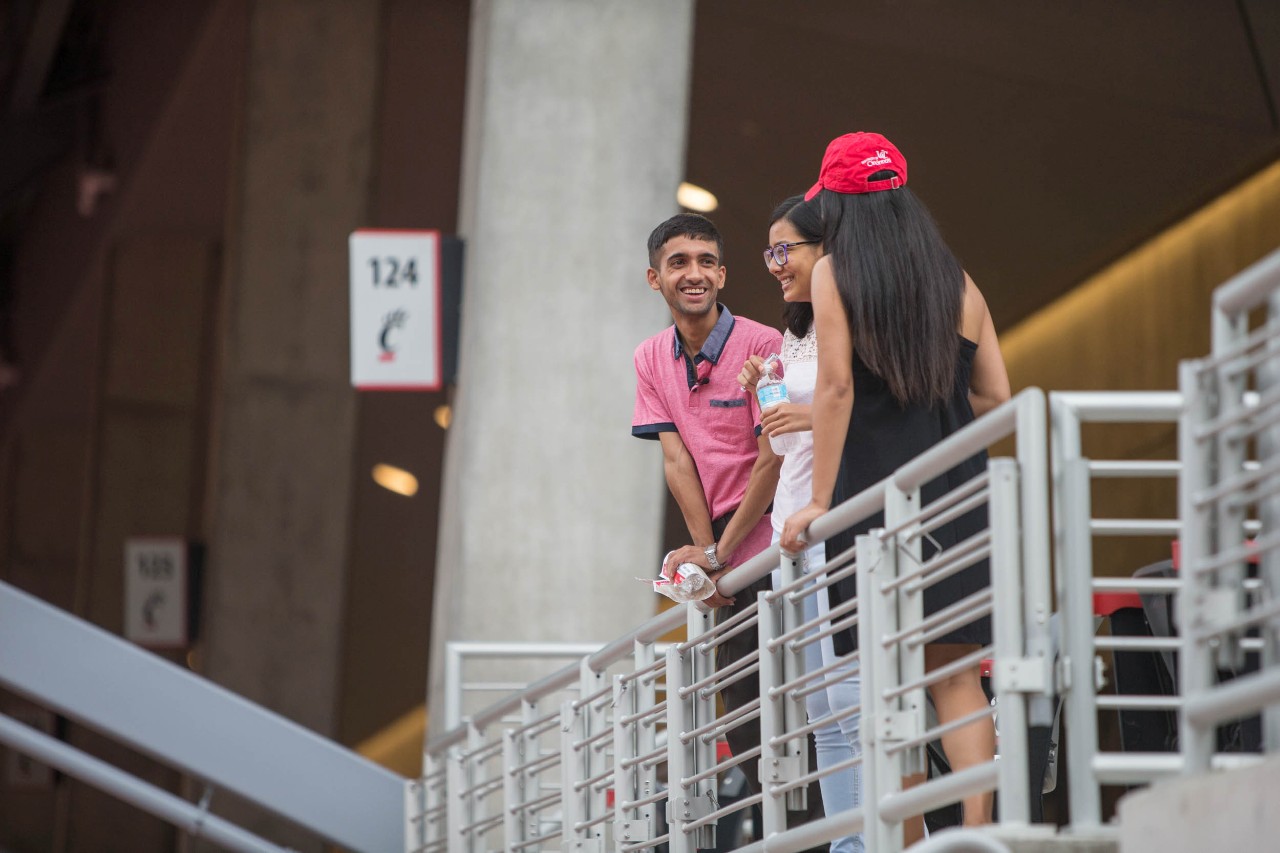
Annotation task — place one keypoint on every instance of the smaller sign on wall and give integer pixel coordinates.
(21, 770)
(395, 310)
(156, 603)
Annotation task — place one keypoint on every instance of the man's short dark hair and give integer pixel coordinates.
(692, 225)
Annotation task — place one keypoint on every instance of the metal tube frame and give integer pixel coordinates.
(193, 818)
(890, 719)
(1073, 532)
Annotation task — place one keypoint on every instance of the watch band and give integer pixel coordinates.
(710, 551)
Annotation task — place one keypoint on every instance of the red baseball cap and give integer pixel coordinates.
(852, 159)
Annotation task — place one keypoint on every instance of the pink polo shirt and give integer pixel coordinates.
(701, 400)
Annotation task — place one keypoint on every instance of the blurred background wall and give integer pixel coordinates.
(177, 182)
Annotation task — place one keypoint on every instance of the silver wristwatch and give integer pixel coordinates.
(710, 551)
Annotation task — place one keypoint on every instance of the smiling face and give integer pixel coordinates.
(688, 275)
(796, 274)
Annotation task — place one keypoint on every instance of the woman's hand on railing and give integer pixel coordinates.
(793, 531)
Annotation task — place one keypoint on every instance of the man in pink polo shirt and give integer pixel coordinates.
(720, 469)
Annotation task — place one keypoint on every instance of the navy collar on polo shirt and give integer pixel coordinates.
(715, 342)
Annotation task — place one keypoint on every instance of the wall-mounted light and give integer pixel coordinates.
(395, 479)
(443, 416)
(693, 197)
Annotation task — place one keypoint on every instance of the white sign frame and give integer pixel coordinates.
(396, 310)
(157, 600)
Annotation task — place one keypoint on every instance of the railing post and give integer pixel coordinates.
(1229, 385)
(773, 757)
(1075, 599)
(580, 804)
(908, 609)
(415, 813)
(1016, 675)
(433, 794)
(779, 664)
(1073, 583)
(462, 801)
(1269, 514)
(682, 805)
(645, 693)
(794, 711)
(572, 730)
(871, 556)
(594, 759)
(513, 790)
(1037, 604)
(686, 804)
(702, 706)
(518, 786)
(1195, 659)
(452, 686)
(630, 740)
(629, 825)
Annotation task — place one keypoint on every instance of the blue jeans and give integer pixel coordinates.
(840, 740)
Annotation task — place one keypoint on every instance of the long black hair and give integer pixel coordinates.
(901, 286)
(804, 217)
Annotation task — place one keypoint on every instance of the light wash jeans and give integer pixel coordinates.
(836, 741)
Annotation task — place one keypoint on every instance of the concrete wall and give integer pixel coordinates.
(1229, 810)
(105, 435)
(120, 322)
(575, 141)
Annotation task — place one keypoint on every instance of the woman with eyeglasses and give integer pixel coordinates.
(795, 245)
(909, 356)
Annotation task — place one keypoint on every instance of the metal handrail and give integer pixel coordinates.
(1214, 426)
(194, 725)
(187, 816)
(1002, 422)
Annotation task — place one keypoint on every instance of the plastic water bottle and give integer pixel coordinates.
(771, 391)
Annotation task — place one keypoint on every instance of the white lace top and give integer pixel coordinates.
(800, 370)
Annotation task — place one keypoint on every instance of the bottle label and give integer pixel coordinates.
(772, 395)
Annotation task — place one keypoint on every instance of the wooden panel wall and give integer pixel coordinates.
(1127, 327)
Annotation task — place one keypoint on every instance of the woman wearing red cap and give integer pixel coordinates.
(908, 357)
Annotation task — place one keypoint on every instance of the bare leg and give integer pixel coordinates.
(970, 745)
(913, 827)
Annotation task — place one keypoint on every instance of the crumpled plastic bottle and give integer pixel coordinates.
(688, 583)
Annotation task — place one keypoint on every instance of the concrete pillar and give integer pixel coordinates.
(285, 411)
(574, 148)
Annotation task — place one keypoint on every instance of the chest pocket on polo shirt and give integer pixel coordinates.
(728, 404)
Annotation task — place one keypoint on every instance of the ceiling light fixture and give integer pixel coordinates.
(693, 197)
(395, 479)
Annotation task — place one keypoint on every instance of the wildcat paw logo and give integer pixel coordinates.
(393, 322)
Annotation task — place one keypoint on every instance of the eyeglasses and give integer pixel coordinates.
(777, 253)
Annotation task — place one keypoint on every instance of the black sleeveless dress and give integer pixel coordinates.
(883, 436)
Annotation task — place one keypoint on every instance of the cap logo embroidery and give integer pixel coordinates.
(881, 158)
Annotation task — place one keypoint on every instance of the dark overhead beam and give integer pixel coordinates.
(32, 147)
(1261, 19)
(37, 58)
